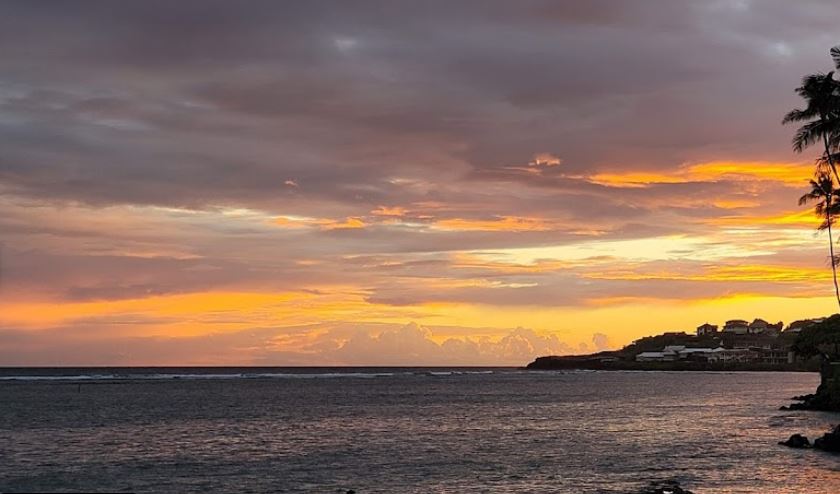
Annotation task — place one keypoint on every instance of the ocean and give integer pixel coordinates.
(406, 430)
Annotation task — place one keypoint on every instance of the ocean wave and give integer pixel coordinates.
(243, 375)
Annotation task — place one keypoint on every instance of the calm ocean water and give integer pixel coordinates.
(405, 430)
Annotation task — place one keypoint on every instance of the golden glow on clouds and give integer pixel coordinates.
(672, 247)
(803, 218)
(503, 224)
(761, 258)
(348, 223)
(793, 174)
(757, 272)
(389, 211)
(789, 173)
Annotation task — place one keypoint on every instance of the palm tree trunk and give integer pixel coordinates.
(833, 264)
(830, 159)
(829, 218)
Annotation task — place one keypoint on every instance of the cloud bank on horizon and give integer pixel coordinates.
(329, 183)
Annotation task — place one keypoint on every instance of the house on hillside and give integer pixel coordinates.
(739, 355)
(736, 326)
(797, 326)
(707, 329)
(760, 326)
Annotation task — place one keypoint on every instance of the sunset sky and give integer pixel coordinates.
(399, 183)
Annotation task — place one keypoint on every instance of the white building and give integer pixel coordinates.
(650, 357)
(672, 353)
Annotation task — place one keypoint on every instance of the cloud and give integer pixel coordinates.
(400, 159)
(412, 344)
(348, 344)
(601, 342)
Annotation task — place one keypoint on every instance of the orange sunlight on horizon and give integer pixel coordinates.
(536, 279)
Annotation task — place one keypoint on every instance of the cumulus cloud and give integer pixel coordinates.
(412, 344)
(343, 344)
(601, 342)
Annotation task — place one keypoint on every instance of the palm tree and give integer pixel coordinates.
(823, 191)
(835, 55)
(821, 114)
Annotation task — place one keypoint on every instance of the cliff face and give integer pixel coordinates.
(827, 396)
(822, 340)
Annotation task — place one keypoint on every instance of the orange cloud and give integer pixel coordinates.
(634, 179)
(351, 222)
(804, 219)
(469, 261)
(739, 273)
(389, 211)
(786, 173)
(501, 224)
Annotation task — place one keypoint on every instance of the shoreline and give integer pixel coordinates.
(589, 363)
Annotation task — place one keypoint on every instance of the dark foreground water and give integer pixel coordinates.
(406, 430)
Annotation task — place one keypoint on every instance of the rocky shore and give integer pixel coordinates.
(827, 396)
(830, 441)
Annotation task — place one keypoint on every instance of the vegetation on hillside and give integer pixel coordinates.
(820, 339)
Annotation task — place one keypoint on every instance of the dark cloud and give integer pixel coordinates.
(201, 102)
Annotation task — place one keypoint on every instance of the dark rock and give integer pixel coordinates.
(796, 441)
(668, 487)
(796, 406)
(830, 441)
(823, 400)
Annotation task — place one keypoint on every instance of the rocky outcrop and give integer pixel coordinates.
(827, 396)
(668, 487)
(830, 441)
(796, 441)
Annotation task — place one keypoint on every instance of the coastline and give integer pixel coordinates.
(598, 362)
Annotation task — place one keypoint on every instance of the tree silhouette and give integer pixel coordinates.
(821, 116)
(821, 124)
(826, 207)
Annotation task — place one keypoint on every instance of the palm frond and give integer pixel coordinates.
(798, 115)
(819, 210)
(807, 135)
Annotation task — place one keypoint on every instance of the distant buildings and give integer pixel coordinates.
(672, 353)
(736, 326)
(797, 326)
(739, 341)
(707, 330)
(758, 326)
(753, 355)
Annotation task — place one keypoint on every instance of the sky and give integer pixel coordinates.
(399, 183)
